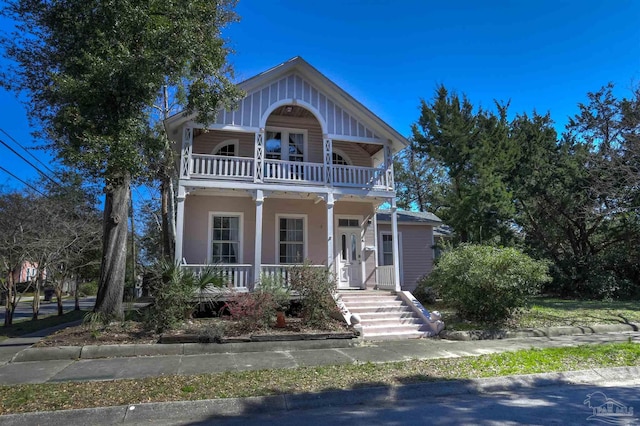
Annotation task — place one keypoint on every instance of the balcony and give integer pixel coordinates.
(216, 167)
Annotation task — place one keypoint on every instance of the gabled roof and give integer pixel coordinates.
(405, 216)
(296, 81)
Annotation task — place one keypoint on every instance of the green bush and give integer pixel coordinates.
(88, 289)
(487, 284)
(315, 287)
(426, 294)
(252, 311)
(276, 287)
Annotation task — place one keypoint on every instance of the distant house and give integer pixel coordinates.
(296, 172)
(26, 272)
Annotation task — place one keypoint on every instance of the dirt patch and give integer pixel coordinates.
(209, 329)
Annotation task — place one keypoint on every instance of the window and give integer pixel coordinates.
(291, 239)
(286, 145)
(225, 238)
(228, 148)
(387, 249)
(349, 223)
(339, 160)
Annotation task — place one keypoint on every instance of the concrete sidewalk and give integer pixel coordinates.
(102, 363)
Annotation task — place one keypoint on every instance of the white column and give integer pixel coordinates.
(257, 261)
(180, 223)
(327, 151)
(258, 157)
(388, 164)
(396, 246)
(185, 160)
(330, 240)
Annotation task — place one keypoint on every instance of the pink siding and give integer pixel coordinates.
(199, 207)
(416, 251)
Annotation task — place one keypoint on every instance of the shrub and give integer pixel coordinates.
(172, 288)
(88, 289)
(485, 283)
(315, 287)
(252, 311)
(277, 288)
(426, 294)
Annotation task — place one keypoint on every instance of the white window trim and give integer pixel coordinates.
(287, 130)
(305, 235)
(240, 234)
(343, 155)
(381, 251)
(234, 142)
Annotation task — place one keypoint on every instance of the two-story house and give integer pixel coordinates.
(295, 172)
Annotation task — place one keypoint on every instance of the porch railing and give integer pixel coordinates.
(293, 171)
(237, 276)
(281, 271)
(385, 277)
(362, 177)
(203, 165)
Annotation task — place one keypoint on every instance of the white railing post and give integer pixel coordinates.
(187, 145)
(330, 245)
(396, 245)
(388, 165)
(259, 156)
(179, 224)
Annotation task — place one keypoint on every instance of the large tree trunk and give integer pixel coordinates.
(168, 217)
(76, 296)
(35, 304)
(114, 248)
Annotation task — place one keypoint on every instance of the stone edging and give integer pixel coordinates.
(536, 332)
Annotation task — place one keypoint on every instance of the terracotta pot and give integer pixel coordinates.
(280, 322)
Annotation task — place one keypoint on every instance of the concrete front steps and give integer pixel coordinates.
(384, 315)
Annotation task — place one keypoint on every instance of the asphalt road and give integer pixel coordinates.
(47, 308)
(554, 405)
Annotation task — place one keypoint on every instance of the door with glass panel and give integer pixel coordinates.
(349, 253)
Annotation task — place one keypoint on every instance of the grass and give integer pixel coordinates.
(21, 328)
(61, 396)
(553, 312)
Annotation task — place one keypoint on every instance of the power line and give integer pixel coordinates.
(16, 177)
(29, 163)
(27, 151)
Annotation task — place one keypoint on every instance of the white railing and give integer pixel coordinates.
(362, 177)
(280, 271)
(203, 165)
(385, 277)
(237, 276)
(293, 171)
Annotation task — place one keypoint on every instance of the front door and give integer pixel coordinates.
(349, 258)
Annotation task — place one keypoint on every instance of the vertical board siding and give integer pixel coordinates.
(357, 155)
(293, 86)
(314, 134)
(206, 142)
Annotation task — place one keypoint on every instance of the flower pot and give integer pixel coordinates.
(280, 322)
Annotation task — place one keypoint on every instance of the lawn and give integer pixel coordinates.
(61, 396)
(551, 312)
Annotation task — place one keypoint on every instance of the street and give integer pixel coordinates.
(562, 404)
(23, 309)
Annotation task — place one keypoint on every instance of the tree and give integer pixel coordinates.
(473, 147)
(92, 70)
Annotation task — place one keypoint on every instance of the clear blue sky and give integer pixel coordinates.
(543, 55)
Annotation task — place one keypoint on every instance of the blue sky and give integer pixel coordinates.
(543, 55)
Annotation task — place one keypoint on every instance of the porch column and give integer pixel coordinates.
(180, 224)
(327, 151)
(388, 167)
(396, 246)
(330, 245)
(185, 159)
(258, 156)
(257, 261)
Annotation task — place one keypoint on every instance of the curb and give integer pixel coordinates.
(205, 410)
(536, 332)
(160, 349)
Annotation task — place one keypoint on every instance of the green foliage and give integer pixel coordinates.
(426, 294)
(173, 289)
(485, 283)
(88, 289)
(315, 287)
(275, 286)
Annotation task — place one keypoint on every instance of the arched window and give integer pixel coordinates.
(228, 148)
(339, 159)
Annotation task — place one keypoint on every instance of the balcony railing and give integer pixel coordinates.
(385, 277)
(281, 272)
(204, 166)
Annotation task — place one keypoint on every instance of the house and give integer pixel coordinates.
(295, 172)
